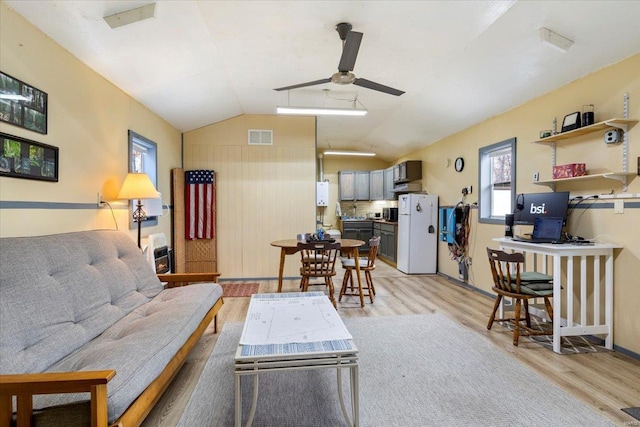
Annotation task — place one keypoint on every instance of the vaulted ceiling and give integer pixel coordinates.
(459, 62)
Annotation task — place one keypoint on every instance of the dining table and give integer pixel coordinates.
(349, 247)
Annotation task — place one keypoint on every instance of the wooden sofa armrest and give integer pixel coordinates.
(25, 386)
(181, 279)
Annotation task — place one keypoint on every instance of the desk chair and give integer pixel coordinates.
(367, 265)
(508, 282)
(318, 259)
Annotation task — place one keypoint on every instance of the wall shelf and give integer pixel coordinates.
(623, 177)
(623, 124)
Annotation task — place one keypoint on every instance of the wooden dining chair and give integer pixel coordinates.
(367, 265)
(318, 260)
(507, 282)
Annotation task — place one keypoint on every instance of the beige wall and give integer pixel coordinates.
(604, 89)
(264, 193)
(88, 119)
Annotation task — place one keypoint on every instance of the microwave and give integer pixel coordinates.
(390, 214)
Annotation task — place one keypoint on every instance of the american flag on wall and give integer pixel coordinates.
(200, 201)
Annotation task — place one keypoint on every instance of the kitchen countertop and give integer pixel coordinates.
(381, 221)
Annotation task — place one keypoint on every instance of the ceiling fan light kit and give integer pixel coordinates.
(321, 111)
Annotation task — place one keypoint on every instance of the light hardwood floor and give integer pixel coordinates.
(606, 381)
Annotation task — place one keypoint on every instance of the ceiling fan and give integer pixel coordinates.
(350, 46)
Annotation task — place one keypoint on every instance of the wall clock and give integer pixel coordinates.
(459, 164)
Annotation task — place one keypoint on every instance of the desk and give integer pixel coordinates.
(290, 247)
(595, 325)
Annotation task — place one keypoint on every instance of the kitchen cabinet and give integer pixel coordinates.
(388, 184)
(347, 185)
(376, 185)
(353, 185)
(407, 171)
(362, 185)
(388, 242)
(359, 230)
(623, 176)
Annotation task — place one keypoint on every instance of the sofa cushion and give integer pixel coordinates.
(139, 346)
(61, 291)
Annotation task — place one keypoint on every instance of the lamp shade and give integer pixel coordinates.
(137, 186)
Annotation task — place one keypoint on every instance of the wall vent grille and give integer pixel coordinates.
(260, 137)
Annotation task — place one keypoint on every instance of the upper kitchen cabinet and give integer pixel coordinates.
(388, 184)
(410, 170)
(376, 184)
(362, 185)
(347, 185)
(353, 185)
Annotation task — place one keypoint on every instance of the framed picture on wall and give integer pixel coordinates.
(22, 158)
(22, 105)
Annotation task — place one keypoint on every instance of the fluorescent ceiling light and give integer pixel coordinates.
(555, 40)
(348, 153)
(130, 16)
(321, 111)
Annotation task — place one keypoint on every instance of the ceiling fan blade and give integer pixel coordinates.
(350, 51)
(377, 86)
(313, 83)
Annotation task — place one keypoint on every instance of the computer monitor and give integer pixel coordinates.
(532, 205)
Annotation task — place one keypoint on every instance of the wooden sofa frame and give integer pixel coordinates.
(25, 386)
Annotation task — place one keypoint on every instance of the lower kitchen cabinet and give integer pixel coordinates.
(359, 230)
(387, 233)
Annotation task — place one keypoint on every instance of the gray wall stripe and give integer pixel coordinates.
(9, 204)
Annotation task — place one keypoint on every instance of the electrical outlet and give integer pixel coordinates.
(536, 176)
(99, 200)
(618, 206)
(469, 261)
(470, 189)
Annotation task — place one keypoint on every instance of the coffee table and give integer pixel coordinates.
(294, 331)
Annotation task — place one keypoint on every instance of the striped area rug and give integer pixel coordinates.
(239, 289)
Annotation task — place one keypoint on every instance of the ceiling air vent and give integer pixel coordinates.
(260, 137)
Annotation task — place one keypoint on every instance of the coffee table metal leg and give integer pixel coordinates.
(254, 402)
(355, 395)
(355, 404)
(341, 396)
(238, 420)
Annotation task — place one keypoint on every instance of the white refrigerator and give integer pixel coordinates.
(417, 233)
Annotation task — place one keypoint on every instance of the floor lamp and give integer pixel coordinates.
(138, 186)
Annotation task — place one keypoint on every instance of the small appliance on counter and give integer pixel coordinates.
(390, 214)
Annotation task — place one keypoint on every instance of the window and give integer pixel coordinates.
(497, 181)
(143, 157)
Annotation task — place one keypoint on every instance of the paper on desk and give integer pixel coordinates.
(292, 320)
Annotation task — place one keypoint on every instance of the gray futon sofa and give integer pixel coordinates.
(76, 307)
